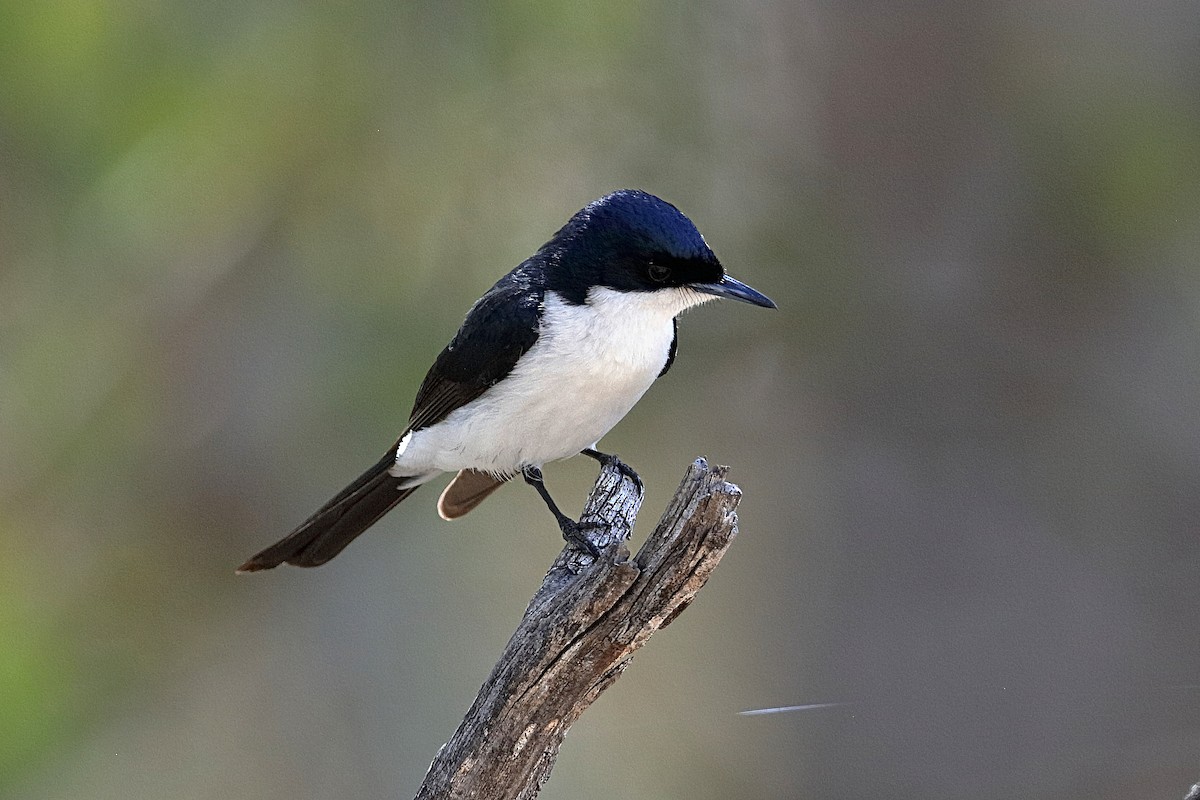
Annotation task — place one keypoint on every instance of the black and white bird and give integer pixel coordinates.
(545, 364)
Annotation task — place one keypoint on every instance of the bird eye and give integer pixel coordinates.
(658, 273)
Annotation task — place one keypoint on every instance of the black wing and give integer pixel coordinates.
(498, 330)
(673, 348)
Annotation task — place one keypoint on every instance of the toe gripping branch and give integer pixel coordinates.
(616, 486)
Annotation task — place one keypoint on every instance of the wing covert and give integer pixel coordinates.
(498, 330)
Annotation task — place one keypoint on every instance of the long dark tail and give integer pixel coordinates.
(327, 532)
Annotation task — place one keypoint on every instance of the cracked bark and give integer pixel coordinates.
(581, 630)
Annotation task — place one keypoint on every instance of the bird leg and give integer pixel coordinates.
(607, 460)
(572, 531)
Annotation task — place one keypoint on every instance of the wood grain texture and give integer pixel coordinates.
(580, 631)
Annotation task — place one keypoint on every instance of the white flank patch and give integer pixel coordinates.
(400, 448)
(589, 366)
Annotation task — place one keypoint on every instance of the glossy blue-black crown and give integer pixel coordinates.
(615, 241)
(645, 219)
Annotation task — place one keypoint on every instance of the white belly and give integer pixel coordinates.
(587, 369)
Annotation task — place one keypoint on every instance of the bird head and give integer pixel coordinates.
(632, 241)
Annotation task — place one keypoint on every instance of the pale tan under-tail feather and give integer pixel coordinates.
(468, 489)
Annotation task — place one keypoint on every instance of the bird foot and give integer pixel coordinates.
(609, 460)
(575, 533)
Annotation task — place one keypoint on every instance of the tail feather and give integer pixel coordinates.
(468, 489)
(327, 532)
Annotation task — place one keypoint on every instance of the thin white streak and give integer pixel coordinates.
(755, 712)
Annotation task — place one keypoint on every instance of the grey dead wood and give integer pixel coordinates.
(581, 630)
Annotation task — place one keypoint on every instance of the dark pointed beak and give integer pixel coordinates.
(735, 290)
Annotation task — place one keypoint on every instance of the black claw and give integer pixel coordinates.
(573, 533)
(628, 472)
(609, 460)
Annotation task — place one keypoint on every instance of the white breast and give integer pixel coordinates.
(588, 367)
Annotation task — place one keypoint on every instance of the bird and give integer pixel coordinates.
(545, 363)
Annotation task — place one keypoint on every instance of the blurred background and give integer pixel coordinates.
(233, 236)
